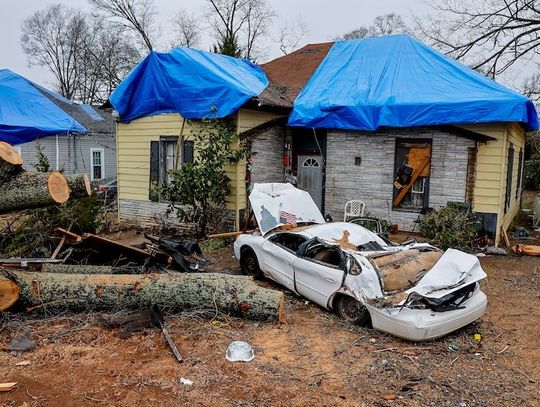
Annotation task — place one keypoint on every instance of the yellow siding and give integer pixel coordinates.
(133, 153)
(490, 185)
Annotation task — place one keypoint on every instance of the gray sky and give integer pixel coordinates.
(325, 19)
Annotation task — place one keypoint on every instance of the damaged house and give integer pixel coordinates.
(388, 121)
(397, 125)
(74, 137)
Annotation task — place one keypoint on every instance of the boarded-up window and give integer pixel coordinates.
(520, 173)
(509, 172)
(412, 168)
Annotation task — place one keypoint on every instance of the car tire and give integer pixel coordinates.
(352, 310)
(249, 263)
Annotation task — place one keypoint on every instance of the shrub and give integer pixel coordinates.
(451, 227)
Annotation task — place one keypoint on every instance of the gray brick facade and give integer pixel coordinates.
(371, 181)
(267, 161)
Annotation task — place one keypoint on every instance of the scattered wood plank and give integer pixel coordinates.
(7, 386)
(527, 249)
(58, 248)
(236, 295)
(228, 234)
(70, 236)
(506, 239)
(23, 262)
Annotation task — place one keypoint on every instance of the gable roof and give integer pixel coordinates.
(397, 81)
(290, 73)
(193, 83)
(27, 113)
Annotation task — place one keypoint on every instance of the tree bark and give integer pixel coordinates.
(236, 295)
(9, 293)
(75, 269)
(30, 190)
(79, 184)
(10, 162)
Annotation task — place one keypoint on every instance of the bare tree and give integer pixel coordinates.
(187, 29)
(490, 35)
(135, 15)
(87, 57)
(54, 38)
(290, 35)
(386, 24)
(239, 25)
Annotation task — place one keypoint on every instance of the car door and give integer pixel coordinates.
(278, 264)
(316, 279)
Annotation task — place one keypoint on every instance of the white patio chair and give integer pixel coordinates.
(354, 208)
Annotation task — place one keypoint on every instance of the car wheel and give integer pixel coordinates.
(249, 263)
(352, 310)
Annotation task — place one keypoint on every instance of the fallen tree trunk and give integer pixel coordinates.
(10, 161)
(236, 295)
(75, 269)
(30, 190)
(9, 293)
(79, 185)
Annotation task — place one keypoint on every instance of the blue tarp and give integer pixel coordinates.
(193, 83)
(26, 113)
(397, 81)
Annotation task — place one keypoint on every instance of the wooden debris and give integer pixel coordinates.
(527, 249)
(156, 316)
(236, 295)
(228, 234)
(506, 239)
(70, 236)
(7, 386)
(9, 293)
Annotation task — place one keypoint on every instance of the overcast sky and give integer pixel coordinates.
(325, 20)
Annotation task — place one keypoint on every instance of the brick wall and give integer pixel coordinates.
(371, 181)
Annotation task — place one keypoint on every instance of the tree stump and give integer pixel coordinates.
(29, 190)
(10, 162)
(9, 293)
(80, 186)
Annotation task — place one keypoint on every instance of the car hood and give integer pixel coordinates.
(278, 204)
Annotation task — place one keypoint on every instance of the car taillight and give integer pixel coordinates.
(102, 189)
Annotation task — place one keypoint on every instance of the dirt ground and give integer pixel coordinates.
(313, 359)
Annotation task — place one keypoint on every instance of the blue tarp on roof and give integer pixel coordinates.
(193, 83)
(397, 81)
(26, 113)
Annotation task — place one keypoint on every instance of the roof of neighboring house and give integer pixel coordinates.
(398, 81)
(193, 83)
(26, 111)
(290, 73)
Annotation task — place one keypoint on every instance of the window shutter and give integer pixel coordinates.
(520, 174)
(509, 170)
(154, 171)
(187, 152)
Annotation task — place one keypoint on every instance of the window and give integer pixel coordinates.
(412, 167)
(187, 152)
(163, 159)
(97, 169)
(509, 171)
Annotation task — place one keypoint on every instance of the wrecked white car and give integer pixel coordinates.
(413, 290)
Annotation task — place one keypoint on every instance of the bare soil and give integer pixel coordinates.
(313, 359)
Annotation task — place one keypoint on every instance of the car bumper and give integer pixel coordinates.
(422, 325)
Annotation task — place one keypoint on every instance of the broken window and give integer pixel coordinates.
(412, 167)
(288, 241)
(322, 253)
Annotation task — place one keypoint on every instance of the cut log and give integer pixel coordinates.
(236, 295)
(10, 162)
(527, 249)
(79, 184)
(9, 293)
(75, 269)
(29, 190)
